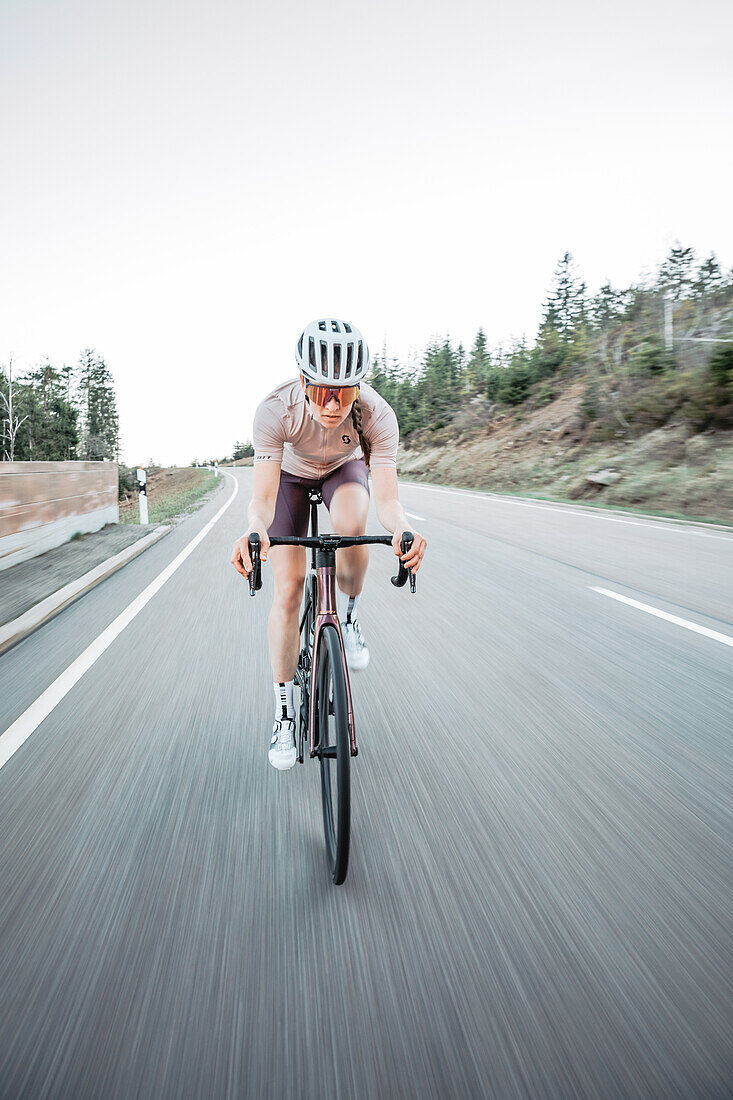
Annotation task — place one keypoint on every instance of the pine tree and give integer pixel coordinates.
(563, 321)
(674, 277)
(565, 309)
(606, 308)
(709, 280)
(51, 430)
(479, 362)
(440, 383)
(97, 408)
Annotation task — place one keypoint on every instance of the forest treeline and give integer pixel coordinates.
(647, 351)
(54, 414)
(661, 347)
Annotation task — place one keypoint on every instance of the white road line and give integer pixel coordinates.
(714, 634)
(30, 719)
(413, 516)
(661, 525)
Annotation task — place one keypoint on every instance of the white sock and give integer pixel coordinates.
(346, 605)
(284, 700)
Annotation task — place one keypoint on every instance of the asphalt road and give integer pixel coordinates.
(539, 894)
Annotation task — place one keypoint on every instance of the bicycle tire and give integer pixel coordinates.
(334, 751)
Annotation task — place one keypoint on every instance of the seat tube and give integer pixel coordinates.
(314, 529)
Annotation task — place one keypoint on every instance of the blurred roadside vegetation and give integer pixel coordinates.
(624, 398)
(660, 348)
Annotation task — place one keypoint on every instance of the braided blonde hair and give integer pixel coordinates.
(356, 421)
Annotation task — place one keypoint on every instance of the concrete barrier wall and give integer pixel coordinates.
(43, 504)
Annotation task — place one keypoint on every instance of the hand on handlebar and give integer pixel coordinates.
(241, 557)
(414, 554)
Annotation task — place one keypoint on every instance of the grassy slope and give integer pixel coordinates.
(171, 492)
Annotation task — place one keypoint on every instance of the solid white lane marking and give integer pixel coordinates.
(413, 516)
(714, 634)
(662, 525)
(30, 719)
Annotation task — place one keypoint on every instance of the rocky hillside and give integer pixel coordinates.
(554, 451)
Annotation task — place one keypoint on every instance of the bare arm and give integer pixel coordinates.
(392, 516)
(260, 514)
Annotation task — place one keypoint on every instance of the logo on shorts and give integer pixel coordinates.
(346, 439)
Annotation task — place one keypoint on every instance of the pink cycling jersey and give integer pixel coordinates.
(286, 431)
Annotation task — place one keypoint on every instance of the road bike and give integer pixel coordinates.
(325, 715)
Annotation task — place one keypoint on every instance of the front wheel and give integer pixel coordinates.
(333, 750)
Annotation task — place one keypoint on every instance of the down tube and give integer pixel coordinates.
(327, 614)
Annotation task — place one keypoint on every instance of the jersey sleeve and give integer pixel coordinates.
(383, 434)
(268, 434)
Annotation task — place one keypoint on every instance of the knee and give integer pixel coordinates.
(288, 594)
(348, 509)
(348, 521)
(348, 526)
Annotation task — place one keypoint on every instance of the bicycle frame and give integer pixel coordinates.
(323, 563)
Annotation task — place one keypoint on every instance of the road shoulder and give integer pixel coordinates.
(36, 590)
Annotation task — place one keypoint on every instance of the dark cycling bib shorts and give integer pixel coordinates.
(292, 509)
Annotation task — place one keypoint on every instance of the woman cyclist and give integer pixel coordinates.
(326, 430)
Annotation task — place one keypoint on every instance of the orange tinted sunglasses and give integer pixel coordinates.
(321, 395)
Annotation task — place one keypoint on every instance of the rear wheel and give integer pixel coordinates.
(334, 751)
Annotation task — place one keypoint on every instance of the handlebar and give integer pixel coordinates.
(330, 542)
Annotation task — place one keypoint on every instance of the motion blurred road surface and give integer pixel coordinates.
(539, 894)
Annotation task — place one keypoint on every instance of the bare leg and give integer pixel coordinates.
(348, 511)
(288, 567)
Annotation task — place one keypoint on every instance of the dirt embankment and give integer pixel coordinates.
(546, 452)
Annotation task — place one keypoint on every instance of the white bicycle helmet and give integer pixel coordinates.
(331, 352)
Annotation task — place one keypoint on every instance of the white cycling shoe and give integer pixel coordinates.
(357, 654)
(282, 747)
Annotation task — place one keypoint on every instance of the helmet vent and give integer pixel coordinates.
(330, 350)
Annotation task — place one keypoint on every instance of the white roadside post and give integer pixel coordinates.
(143, 494)
(668, 324)
(216, 466)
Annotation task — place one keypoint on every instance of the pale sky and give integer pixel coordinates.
(186, 185)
